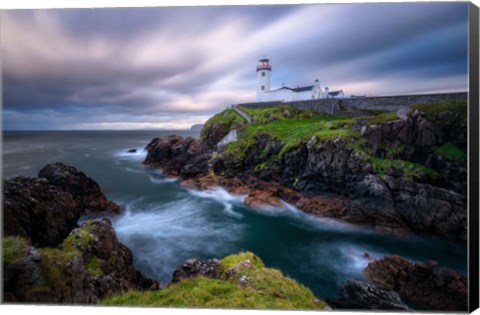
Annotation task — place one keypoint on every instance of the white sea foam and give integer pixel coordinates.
(313, 222)
(164, 234)
(356, 259)
(218, 194)
(221, 195)
(139, 155)
(162, 180)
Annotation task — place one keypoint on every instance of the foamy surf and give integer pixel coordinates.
(165, 234)
(138, 155)
(222, 196)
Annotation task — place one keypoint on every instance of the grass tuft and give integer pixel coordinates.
(410, 170)
(433, 109)
(229, 119)
(14, 249)
(260, 288)
(452, 153)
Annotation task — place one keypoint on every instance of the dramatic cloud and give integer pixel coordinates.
(173, 67)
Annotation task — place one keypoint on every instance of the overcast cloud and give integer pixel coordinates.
(174, 67)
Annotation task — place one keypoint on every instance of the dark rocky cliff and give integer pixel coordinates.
(396, 175)
(47, 257)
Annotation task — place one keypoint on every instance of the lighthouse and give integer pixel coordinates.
(264, 70)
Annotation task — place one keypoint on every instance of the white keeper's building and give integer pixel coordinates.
(287, 94)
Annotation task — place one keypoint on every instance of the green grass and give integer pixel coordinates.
(229, 119)
(14, 248)
(382, 118)
(233, 260)
(94, 266)
(294, 131)
(263, 116)
(433, 109)
(410, 170)
(396, 150)
(452, 153)
(56, 261)
(262, 288)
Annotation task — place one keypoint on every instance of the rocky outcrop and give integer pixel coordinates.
(428, 209)
(177, 156)
(214, 134)
(192, 268)
(238, 281)
(357, 295)
(416, 139)
(417, 135)
(35, 209)
(90, 264)
(83, 189)
(429, 200)
(45, 209)
(424, 284)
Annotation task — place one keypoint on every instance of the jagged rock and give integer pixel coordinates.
(264, 199)
(421, 283)
(193, 268)
(213, 135)
(177, 156)
(89, 265)
(417, 134)
(361, 295)
(83, 189)
(432, 210)
(373, 204)
(421, 193)
(46, 208)
(35, 209)
(332, 206)
(330, 166)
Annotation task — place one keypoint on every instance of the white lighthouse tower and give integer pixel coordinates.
(264, 70)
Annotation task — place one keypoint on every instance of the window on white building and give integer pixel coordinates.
(263, 74)
(263, 87)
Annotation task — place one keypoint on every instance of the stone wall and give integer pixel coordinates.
(386, 103)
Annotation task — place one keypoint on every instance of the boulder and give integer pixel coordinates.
(177, 156)
(361, 295)
(83, 189)
(89, 265)
(424, 284)
(428, 209)
(213, 134)
(264, 199)
(45, 209)
(39, 211)
(193, 268)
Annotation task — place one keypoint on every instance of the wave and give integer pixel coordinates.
(218, 194)
(139, 155)
(163, 180)
(222, 196)
(167, 234)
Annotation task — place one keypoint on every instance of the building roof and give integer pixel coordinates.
(298, 89)
(335, 93)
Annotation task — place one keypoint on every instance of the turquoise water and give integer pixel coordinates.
(164, 224)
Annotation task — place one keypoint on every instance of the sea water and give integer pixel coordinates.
(164, 224)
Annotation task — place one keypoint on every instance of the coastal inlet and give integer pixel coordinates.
(165, 224)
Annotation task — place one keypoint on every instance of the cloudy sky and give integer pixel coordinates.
(169, 68)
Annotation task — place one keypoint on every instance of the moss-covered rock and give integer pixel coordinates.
(80, 271)
(46, 208)
(218, 126)
(246, 283)
(14, 249)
